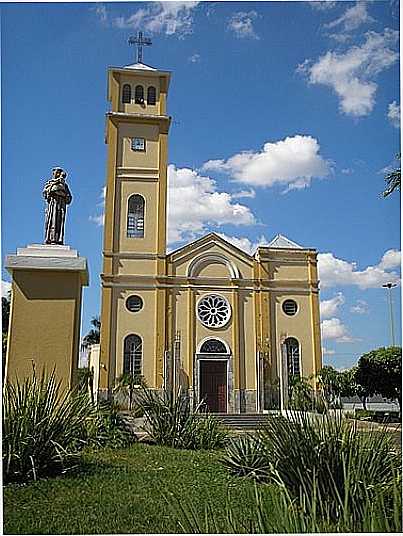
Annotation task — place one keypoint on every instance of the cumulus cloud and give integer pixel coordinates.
(194, 204)
(241, 24)
(244, 243)
(352, 18)
(169, 18)
(351, 74)
(334, 329)
(5, 288)
(334, 271)
(292, 162)
(394, 114)
(329, 308)
(360, 308)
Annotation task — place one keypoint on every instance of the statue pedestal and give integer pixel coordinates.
(45, 314)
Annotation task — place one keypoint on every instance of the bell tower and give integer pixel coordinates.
(134, 254)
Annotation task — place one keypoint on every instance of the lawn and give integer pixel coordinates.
(124, 491)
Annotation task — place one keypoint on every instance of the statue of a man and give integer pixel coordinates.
(58, 196)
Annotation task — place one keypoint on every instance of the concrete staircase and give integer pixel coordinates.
(241, 421)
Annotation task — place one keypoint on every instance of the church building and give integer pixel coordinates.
(228, 327)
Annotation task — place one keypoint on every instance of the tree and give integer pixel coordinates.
(329, 383)
(94, 335)
(380, 372)
(392, 180)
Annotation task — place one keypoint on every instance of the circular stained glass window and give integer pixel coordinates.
(134, 304)
(290, 307)
(213, 311)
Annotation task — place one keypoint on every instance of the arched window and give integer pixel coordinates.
(135, 217)
(126, 93)
(213, 346)
(132, 355)
(292, 346)
(151, 95)
(139, 95)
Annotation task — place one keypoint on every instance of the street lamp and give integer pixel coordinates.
(392, 329)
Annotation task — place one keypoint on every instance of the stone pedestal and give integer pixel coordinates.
(45, 314)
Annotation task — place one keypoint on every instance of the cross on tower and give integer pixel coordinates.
(139, 41)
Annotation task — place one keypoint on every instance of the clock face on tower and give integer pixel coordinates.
(138, 144)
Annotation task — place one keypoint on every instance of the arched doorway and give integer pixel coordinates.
(213, 375)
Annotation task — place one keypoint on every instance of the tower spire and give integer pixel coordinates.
(139, 41)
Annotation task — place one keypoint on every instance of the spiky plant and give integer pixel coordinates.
(44, 427)
(246, 455)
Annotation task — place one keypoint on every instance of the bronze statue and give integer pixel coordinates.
(58, 196)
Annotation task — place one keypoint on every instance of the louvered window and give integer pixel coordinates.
(139, 95)
(126, 94)
(151, 95)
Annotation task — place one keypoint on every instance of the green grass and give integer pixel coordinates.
(125, 491)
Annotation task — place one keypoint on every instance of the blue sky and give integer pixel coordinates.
(285, 116)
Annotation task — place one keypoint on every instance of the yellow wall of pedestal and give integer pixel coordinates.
(44, 324)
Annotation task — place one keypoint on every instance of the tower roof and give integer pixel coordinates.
(141, 66)
(282, 242)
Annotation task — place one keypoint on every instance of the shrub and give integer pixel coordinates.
(246, 456)
(329, 455)
(108, 429)
(170, 421)
(301, 394)
(275, 511)
(44, 428)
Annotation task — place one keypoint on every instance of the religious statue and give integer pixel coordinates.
(58, 196)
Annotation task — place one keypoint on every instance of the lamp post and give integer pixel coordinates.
(392, 329)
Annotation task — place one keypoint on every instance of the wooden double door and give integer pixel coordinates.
(213, 384)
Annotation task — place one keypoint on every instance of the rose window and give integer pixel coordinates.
(213, 311)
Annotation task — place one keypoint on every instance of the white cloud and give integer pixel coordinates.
(394, 114)
(293, 162)
(327, 351)
(351, 74)
(5, 288)
(334, 329)
(360, 308)
(194, 204)
(352, 18)
(100, 11)
(322, 5)
(244, 243)
(391, 259)
(99, 219)
(195, 58)
(251, 194)
(241, 24)
(329, 308)
(334, 271)
(169, 18)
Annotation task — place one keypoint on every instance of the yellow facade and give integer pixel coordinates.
(211, 317)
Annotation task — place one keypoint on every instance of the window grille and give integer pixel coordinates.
(126, 94)
(133, 355)
(213, 311)
(293, 361)
(134, 304)
(290, 307)
(135, 217)
(139, 95)
(151, 95)
(213, 346)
